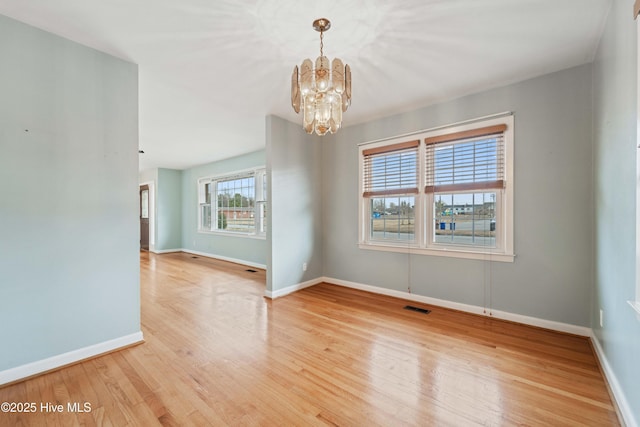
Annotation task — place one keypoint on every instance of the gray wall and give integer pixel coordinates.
(295, 207)
(251, 250)
(169, 210)
(551, 277)
(614, 153)
(69, 264)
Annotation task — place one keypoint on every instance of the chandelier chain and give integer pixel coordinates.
(321, 43)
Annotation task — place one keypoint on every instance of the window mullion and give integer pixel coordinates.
(421, 216)
(215, 200)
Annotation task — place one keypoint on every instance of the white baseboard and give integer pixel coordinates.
(223, 258)
(290, 289)
(527, 320)
(636, 306)
(55, 362)
(614, 385)
(214, 256)
(164, 251)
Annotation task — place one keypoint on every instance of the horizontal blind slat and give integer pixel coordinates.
(465, 161)
(471, 186)
(390, 192)
(392, 169)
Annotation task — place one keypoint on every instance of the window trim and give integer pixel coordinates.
(635, 303)
(504, 250)
(259, 175)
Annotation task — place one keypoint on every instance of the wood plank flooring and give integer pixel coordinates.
(217, 353)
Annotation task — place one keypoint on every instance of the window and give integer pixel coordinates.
(233, 203)
(449, 192)
(390, 186)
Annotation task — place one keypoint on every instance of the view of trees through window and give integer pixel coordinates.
(393, 217)
(467, 218)
(235, 204)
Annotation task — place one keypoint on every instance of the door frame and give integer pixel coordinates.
(152, 213)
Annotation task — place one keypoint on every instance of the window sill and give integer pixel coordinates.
(234, 234)
(444, 252)
(636, 306)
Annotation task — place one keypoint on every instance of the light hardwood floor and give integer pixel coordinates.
(217, 352)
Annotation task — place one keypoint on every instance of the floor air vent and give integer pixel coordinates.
(251, 271)
(418, 309)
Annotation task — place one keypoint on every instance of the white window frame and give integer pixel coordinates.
(423, 212)
(260, 177)
(635, 304)
(399, 193)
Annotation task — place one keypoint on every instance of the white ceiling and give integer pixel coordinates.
(211, 70)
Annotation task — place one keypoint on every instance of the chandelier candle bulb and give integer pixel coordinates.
(322, 92)
(323, 82)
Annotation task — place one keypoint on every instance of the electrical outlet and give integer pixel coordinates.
(304, 266)
(601, 316)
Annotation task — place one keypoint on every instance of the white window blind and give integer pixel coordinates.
(391, 169)
(466, 161)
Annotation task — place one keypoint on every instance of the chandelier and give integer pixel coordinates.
(323, 92)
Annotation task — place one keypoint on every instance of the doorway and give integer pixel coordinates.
(144, 217)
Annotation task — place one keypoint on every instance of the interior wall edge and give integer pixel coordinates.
(473, 309)
(293, 288)
(38, 367)
(617, 394)
(223, 258)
